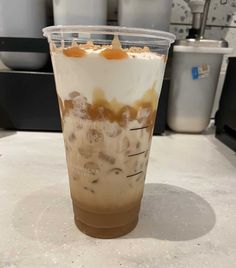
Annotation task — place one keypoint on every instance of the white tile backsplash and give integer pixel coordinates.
(181, 12)
(219, 14)
(222, 14)
(181, 31)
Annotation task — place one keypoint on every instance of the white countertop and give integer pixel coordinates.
(188, 214)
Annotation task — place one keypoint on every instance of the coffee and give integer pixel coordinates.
(108, 98)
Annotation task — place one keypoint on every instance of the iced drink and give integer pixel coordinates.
(108, 94)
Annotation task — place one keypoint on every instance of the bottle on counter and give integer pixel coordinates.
(195, 73)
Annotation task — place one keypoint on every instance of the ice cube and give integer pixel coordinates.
(91, 169)
(112, 129)
(95, 136)
(107, 158)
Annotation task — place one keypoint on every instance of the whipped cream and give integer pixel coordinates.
(125, 80)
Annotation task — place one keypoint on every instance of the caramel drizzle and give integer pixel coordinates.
(74, 51)
(109, 52)
(115, 52)
(101, 109)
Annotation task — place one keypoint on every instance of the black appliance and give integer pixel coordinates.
(226, 115)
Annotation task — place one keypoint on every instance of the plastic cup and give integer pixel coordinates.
(108, 94)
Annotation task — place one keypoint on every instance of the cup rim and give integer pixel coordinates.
(106, 29)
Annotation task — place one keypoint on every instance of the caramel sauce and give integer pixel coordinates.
(116, 42)
(101, 109)
(74, 51)
(127, 113)
(68, 105)
(100, 98)
(114, 54)
(150, 96)
(109, 52)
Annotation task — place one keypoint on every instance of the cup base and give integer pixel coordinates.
(106, 233)
(105, 225)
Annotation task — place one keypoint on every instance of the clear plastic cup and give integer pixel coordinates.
(108, 93)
